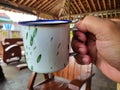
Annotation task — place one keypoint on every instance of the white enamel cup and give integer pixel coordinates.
(46, 44)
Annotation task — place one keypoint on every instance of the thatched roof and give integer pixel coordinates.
(64, 9)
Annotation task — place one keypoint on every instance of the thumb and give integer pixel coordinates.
(94, 25)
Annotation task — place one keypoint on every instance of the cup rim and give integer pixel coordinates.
(43, 22)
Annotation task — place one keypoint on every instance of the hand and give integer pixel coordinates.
(98, 41)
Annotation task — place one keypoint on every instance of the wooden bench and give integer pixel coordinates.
(11, 49)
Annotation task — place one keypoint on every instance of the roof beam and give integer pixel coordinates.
(8, 5)
(45, 4)
(92, 1)
(114, 4)
(37, 4)
(110, 4)
(61, 10)
(51, 5)
(21, 1)
(104, 4)
(81, 4)
(22, 8)
(77, 6)
(98, 2)
(33, 1)
(14, 0)
(99, 12)
(71, 4)
(26, 2)
(41, 3)
(88, 5)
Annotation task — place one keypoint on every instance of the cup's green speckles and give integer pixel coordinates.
(57, 53)
(26, 35)
(32, 67)
(35, 32)
(51, 67)
(39, 58)
(51, 39)
(34, 48)
(59, 45)
(31, 41)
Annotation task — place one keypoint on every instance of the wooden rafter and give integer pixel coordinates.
(92, 1)
(114, 11)
(81, 4)
(45, 4)
(33, 1)
(104, 4)
(114, 4)
(12, 3)
(21, 8)
(26, 2)
(14, 0)
(88, 5)
(62, 9)
(37, 4)
(65, 10)
(41, 3)
(59, 8)
(109, 1)
(98, 2)
(9, 5)
(21, 1)
(77, 6)
(71, 4)
(49, 7)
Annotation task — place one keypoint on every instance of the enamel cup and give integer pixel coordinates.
(46, 44)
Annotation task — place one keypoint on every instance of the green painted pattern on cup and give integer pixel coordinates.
(51, 39)
(34, 48)
(26, 35)
(39, 58)
(32, 67)
(31, 41)
(35, 32)
(59, 45)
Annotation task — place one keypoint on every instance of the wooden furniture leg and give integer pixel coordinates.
(21, 66)
(31, 81)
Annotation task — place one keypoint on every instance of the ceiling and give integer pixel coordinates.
(64, 9)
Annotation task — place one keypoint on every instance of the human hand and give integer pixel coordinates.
(98, 41)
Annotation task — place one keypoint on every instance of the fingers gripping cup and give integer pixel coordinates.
(46, 44)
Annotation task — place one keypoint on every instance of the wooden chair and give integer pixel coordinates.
(73, 77)
(11, 49)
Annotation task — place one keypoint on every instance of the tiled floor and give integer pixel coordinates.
(17, 80)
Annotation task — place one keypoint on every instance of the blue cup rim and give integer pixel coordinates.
(43, 22)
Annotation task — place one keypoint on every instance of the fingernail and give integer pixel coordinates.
(81, 50)
(86, 61)
(82, 39)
